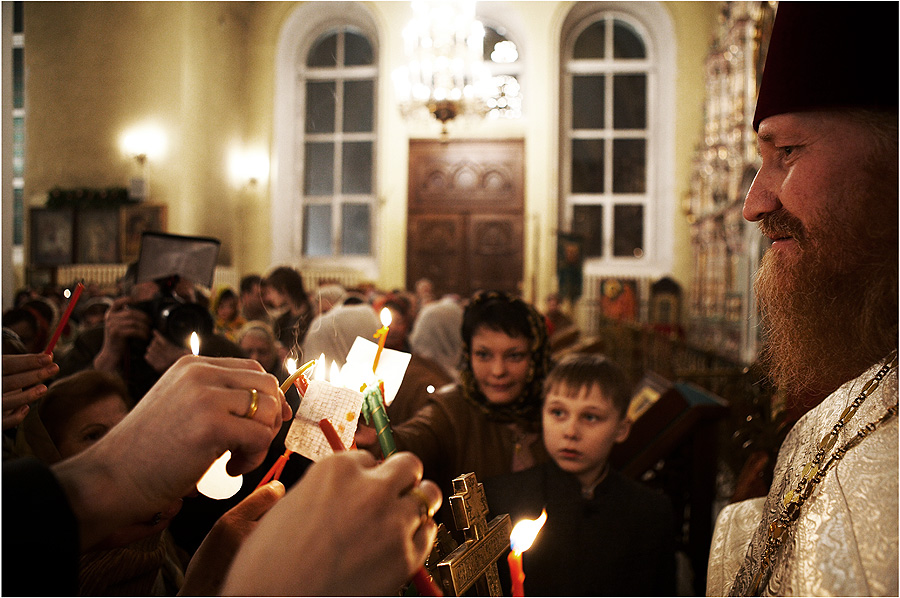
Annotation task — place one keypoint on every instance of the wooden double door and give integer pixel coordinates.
(466, 215)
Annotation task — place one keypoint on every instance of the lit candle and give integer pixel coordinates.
(65, 318)
(520, 540)
(381, 335)
(297, 376)
(195, 343)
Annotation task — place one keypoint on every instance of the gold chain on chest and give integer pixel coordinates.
(814, 471)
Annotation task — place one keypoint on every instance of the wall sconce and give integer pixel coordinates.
(249, 167)
(142, 143)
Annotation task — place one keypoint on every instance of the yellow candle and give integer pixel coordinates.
(381, 335)
(287, 383)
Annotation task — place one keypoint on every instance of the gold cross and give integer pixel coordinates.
(475, 561)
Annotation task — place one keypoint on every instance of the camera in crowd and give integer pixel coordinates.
(175, 318)
(167, 260)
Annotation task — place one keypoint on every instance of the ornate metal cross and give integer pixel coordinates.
(475, 561)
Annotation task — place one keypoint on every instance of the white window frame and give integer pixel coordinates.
(303, 28)
(652, 22)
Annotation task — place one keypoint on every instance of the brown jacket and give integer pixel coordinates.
(453, 437)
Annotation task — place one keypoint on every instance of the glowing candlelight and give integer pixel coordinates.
(520, 540)
(319, 372)
(65, 318)
(195, 343)
(334, 375)
(297, 375)
(216, 483)
(381, 335)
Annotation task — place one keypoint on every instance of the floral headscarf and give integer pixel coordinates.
(512, 316)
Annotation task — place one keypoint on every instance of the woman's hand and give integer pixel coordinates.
(22, 377)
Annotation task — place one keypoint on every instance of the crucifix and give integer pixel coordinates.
(475, 561)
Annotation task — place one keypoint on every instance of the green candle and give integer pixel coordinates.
(375, 415)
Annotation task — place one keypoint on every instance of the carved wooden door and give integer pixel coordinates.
(466, 215)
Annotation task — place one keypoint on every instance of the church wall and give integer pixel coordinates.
(205, 72)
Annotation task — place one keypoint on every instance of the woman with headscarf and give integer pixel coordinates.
(489, 423)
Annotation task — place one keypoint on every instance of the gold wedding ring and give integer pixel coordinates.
(254, 404)
(424, 504)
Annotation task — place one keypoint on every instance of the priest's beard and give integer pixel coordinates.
(829, 311)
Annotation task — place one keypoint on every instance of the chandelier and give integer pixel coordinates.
(445, 74)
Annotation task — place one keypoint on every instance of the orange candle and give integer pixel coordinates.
(381, 335)
(520, 540)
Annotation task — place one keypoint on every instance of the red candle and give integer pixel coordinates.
(516, 574)
(334, 441)
(520, 540)
(65, 319)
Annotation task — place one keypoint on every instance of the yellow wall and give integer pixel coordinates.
(204, 72)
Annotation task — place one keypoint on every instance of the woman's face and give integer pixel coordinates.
(257, 347)
(500, 364)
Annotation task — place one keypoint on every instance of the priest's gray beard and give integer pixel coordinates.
(829, 312)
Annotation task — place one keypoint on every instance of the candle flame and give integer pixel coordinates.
(525, 531)
(320, 371)
(216, 483)
(290, 365)
(195, 343)
(335, 373)
(385, 317)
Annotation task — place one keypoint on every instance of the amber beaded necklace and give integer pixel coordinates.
(814, 471)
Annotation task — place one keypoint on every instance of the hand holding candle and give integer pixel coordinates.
(422, 580)
(520, 540)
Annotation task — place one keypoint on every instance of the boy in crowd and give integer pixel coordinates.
(605, 534)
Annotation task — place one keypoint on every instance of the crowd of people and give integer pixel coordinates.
(106, 436)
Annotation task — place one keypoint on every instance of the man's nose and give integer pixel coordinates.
(761, 197)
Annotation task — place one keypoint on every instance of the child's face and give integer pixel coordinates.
(227, 308)
(580, 429)
(500, 364)
(90, 424)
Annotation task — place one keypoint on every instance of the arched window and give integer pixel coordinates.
(326, 137)
(617, 135)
